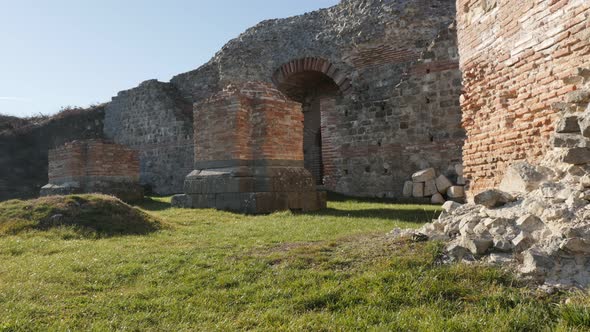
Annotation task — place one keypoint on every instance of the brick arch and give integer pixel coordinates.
(311, 65)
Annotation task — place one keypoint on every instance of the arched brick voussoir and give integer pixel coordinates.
(313, 64)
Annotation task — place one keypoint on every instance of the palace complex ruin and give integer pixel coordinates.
(378, 82)
(370, 98)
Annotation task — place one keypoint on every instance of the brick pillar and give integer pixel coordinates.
(329, 149)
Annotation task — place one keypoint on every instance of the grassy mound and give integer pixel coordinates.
(98, 215)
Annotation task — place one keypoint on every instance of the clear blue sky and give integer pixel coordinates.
(78, 52)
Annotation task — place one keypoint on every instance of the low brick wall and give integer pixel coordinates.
(94, 166)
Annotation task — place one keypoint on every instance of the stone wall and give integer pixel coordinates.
(514, 57)
(154, 120)
(389, 81)
(94, 166)
(395, 65)
(24, 151)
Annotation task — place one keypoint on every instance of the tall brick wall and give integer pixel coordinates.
(514, 57)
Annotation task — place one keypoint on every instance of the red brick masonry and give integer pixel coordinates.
(514, 55)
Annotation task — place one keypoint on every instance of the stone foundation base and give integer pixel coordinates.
(252, 190)
(254, 203)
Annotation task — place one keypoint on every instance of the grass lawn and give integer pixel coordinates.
(208, 270)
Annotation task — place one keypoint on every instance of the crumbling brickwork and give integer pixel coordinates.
(514, 57)
(94, 166)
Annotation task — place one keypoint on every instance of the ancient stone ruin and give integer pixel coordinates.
(378, 81)
(249, 148)
(94, 166)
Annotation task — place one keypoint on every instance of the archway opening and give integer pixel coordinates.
(312, 89)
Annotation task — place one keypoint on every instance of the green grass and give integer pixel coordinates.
(209, 270)
(82, 215)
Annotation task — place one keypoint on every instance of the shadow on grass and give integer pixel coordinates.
(150, 204)
(406, 215)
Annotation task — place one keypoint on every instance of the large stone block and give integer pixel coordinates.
(522, 177)
(418, 190)
(424, 175)
(443, 184)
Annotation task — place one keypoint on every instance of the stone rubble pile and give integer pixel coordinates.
(538, 221)
(426, 183)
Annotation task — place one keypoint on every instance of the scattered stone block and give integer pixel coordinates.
(457, 252)
(493, 198)
(450, 206)
(529, 223)
(503, 245)
(521, 177)
(522, 241)
(408, 189)
(478, 246)
(424, 175)
(456, 192)
(461, 181)
(437, 199)
(430, 188)
(418, 189)
(576, 245)
(443, 184)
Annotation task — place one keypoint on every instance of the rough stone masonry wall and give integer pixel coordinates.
(24, 151)
(154, 120)
(514, 57)
(396, 64)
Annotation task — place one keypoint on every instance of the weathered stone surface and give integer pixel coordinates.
(584, 124)
(450, 206)
(424, 175)
(430, 188)
(437, 199)
(418, 189)
(493, 198)
(576, 245)
(569, 141)
(478, 246)
(443, 184)
(456, 192)
(408, 189)
(568, 124)
(529, 223)
(521, 177)
(576, 156)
